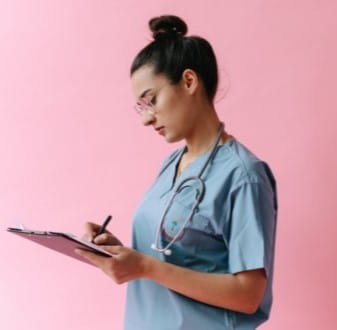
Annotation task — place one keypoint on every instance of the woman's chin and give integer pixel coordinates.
(172, 139)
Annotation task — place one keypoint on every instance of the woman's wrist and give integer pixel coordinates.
(149, 266)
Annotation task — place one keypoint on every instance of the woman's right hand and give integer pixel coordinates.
(106, 238)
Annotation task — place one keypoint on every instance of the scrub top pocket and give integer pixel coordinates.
(198, 246)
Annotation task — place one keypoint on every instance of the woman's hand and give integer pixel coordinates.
(125, 265)
(107, 238)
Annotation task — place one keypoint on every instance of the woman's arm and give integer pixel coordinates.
(240, 292)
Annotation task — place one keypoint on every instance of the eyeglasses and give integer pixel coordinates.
(146, 105)
(143, 106)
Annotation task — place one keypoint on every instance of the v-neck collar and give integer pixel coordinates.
(172, 178)
(175, 180)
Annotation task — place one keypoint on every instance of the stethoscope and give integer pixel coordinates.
(200, 192)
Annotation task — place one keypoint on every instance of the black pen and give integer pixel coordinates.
(103, 227)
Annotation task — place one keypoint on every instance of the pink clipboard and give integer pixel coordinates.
(60, 242)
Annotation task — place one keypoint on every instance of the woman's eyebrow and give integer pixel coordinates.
(144, 93)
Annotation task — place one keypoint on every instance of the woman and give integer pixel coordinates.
(213, 271)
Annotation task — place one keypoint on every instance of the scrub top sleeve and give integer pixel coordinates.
(252, 228)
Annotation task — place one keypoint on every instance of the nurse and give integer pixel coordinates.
(218, 271)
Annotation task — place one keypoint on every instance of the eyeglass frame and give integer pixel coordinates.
(143, 105)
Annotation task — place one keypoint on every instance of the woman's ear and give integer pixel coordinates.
(190, 81)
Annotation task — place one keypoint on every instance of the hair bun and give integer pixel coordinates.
(167, 26)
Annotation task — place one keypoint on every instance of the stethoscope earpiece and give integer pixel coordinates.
(168, 252)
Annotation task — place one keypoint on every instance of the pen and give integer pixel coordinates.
(103, 227)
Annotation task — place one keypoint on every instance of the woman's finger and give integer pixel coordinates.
(91, 230)
(102, 239)
(93, 227)
(90, 226)
(107, 239)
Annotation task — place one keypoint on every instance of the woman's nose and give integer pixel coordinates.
(148, 118)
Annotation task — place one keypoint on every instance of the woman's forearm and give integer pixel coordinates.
(240, 292)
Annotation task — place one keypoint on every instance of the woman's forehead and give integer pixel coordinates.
(143, 79)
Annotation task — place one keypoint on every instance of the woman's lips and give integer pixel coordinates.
(161, 130)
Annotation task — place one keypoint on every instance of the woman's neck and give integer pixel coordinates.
(203, 135)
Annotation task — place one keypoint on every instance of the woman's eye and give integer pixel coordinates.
(153, 100)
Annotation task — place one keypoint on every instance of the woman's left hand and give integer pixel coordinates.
(125, 265)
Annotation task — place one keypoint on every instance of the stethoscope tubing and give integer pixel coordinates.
(200, 194)
(166, 250)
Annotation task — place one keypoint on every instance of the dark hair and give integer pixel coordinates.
(171, 52)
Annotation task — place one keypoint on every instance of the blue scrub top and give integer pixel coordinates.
(233, 230)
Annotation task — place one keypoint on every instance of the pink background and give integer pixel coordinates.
(73, 150)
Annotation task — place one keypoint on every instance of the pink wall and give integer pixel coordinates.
(73, 150)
